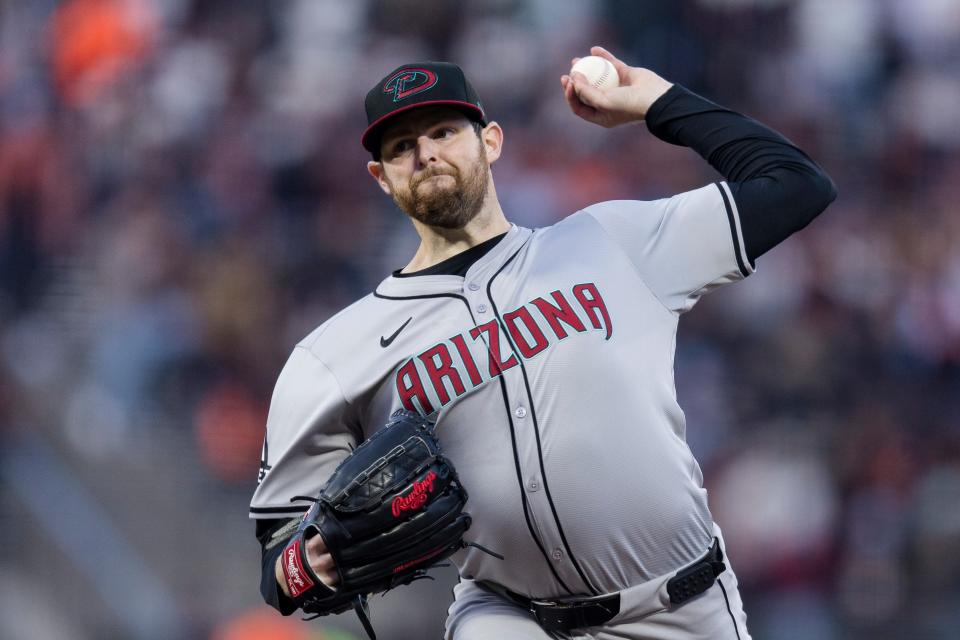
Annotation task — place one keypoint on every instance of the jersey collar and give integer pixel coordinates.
(479, 271)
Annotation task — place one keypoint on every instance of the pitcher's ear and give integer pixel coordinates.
(492, 137)
(375, 169)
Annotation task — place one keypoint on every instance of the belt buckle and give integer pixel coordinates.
(566, 614)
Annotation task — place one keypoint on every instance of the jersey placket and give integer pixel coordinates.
(489, 302)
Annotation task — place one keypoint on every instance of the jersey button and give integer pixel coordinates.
(473, 286)
(533, 485)
(520, 412)
(557, 554)
(481, 308)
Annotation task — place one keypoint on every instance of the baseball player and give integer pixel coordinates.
(546, 358)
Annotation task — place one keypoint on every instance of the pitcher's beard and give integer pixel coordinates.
(446, 207)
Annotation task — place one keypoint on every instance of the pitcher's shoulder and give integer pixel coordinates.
(344, 328)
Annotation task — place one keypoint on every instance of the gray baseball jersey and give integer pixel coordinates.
(550, 369)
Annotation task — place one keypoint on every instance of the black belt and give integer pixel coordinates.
(564, 614)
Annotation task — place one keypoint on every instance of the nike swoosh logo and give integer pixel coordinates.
(385, 342)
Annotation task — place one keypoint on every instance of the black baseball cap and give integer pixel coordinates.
(420, 84)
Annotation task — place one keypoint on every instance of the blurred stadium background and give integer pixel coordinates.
(183, 196)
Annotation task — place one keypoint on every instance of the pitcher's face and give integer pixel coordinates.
(435, 167)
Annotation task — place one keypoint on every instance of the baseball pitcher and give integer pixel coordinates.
(515, 386)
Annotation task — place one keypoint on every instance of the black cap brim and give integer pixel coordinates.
(372, 134)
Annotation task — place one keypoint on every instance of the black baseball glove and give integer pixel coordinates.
(392, 509)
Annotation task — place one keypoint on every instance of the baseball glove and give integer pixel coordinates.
(392, 509)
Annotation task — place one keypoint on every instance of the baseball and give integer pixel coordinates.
(600, 72)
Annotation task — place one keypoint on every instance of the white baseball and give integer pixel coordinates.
(600, 72)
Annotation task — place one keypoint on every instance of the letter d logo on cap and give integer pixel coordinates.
(408, 82)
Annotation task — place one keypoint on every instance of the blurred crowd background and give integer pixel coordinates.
(183, 197)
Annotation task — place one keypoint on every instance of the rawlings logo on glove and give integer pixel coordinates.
(297, 580)
(417, 497)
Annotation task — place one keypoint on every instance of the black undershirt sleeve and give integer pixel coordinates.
(269, 589)
(777, 188)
